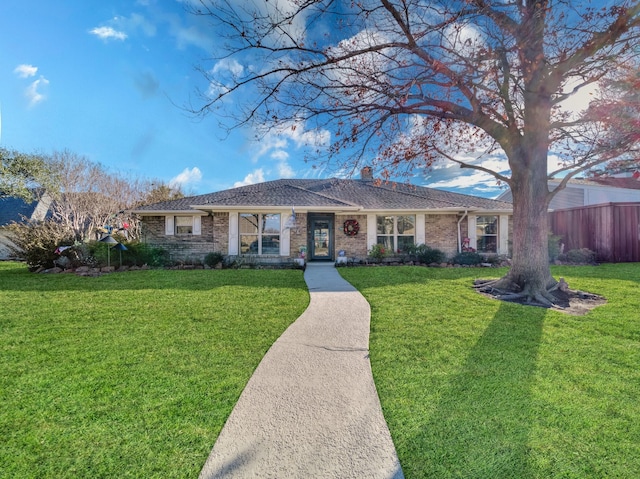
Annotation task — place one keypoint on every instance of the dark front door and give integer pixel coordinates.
(320, 237)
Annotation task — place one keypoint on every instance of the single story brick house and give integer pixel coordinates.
(274, 221)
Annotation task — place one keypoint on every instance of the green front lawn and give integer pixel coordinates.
(476, 388)
(134, 374)
(130, 374)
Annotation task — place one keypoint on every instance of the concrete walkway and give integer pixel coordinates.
(311, 409)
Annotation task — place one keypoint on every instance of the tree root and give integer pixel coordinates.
(501, 286)
(555, 294)
(506, 290)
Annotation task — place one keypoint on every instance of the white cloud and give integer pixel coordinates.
(25, 71)
(285, 170)
(256, 176)
(290, 135)
(33, 92)
(280, 155)
(228, 65)
(107, 33)
(464, 39)
(288, 15)
(188, 177)
(448, 175)
(227, 71)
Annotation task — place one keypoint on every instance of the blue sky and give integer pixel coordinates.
(107, 80)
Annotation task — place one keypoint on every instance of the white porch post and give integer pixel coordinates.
(285, 234)
(372, 231)
(233, 234)
(471, 226)
(421, 235)
(503, 231)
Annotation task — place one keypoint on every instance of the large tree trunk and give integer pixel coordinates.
(530, 268)
(529, 276)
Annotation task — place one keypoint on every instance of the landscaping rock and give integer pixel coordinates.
(53, 270)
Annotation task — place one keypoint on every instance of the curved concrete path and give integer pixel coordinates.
(311, 409)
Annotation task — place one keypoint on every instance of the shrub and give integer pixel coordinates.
(467, 258)
(36, 242)
(378, 251)
(426, 254)
(213, 259)
(554, 246)
(139, 254)
(581, 256)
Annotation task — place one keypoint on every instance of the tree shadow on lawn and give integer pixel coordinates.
(482, 420)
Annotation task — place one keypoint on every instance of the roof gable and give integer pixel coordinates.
(14, 209)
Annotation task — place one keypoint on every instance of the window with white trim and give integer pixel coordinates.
(184, 225)
(259, 233)
(396, 232)
(487, 234)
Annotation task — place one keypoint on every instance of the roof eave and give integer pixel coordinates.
(276, 209)
(169, 212)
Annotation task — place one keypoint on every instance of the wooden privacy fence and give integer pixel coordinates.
(612, 230)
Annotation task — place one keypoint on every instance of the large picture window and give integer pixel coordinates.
(487, 234)
(396, 233)
(259, 233)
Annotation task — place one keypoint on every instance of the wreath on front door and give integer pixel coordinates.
(351, 227)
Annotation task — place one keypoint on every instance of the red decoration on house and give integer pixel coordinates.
(351, 227)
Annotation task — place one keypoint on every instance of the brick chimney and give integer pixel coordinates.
(366, 173)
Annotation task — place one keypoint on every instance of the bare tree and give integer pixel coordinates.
(404, 83)
(92, 201)
(91, 198)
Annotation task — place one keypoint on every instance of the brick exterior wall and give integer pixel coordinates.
(353, 246)
(190, 248)
(298, 235)
(221, 232)
(441, 232)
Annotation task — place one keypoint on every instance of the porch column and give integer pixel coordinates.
(233, 234)
(372, 231)
(503, 232)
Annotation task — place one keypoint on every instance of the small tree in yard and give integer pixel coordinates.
(21, 174)
(402, 84)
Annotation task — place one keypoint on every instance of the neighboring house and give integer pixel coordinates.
(17, 210)
(601, 214)
(276, 220)
(594, 191)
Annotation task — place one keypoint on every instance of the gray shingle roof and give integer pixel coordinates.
(16, 209)
(331, 193)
